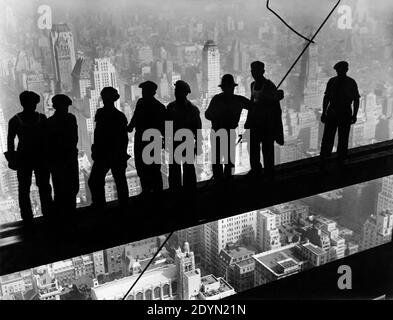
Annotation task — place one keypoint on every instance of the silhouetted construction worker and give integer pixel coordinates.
(341, 92)
(30, 156)
(184, 115)
(149, 114)
(264, 121)
(109, 151)
(224, 112)
(62, 134)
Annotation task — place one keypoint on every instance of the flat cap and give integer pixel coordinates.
(29, 97)
(61, 99)
(109, 94)
(148, 85)
(341, 65)
(183, 85)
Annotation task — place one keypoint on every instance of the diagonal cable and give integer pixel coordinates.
(148, 265)
(304, 49)
(308, 43)
(284, 22)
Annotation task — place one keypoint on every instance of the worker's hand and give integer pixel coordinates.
(354, 119)
(12, 159)
(323, 118)
(130, 128)
(280, 95)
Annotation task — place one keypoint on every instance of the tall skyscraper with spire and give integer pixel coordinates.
(104, 75)
(210, 69)
(63, 56)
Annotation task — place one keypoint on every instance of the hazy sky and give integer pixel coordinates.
(254, 8)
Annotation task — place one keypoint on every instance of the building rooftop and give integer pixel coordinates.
(231, 254)
(192, 273)
(11, 277)
(116, 290)
(288, 263)
(209, 279)
(314, 249)
(60, 27)
(284, 207)
(245, 263)
(81, 69)
(331, 195)
(273, 260)
(224, 287)
(60, 265)
(352, 244)
(87, 258)
(158, 263)
(209, 43)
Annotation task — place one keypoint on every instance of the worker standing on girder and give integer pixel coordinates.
(224, 112)
(30, 155)
(338, 115)
(264, 121)
(109, 151)
(62, 135)
(149, 114)
(184, 115)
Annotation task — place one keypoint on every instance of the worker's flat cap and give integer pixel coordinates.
(148, 85)
(183, 85)
(341, 65)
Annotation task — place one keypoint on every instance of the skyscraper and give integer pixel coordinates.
(237, 60)
(63, 56)
(377, 230)
(210, 69)
(104, 75)
(216, 235)
(114, 261)
(268, 236)
(3, 132)
(385, 197)
(185, 262)
(81, 78)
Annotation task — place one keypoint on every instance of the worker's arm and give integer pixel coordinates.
(210, 111)
(356, 104)
(198, 135)
(326, 102)
(271, 93)
(11, 135)
(252, 96)
(134, 118)
(245, 102)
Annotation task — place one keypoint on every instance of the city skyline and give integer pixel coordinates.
(63, 59)
(218, 259)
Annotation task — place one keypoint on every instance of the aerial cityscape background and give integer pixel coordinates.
(221, 258)
(80, 47)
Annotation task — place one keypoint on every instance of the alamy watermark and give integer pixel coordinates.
(184, 144)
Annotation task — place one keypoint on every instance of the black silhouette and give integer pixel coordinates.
(30, 156)
(224, 112)
(264, 121)
(184, 115)
(149, 114)
(109, 150)
(62, 133)
(341, 92)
